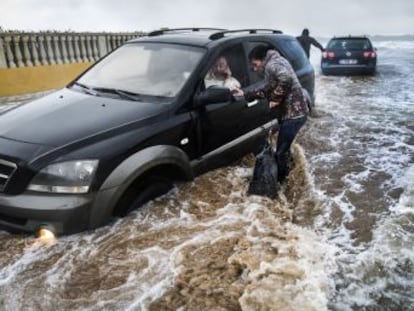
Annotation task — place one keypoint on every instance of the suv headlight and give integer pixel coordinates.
(65, 177)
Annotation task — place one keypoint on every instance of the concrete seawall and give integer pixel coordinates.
(24, 80)
(33, 62)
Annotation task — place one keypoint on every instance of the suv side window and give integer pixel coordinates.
(295, 54)
(233, 58)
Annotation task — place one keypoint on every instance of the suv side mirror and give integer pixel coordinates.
(213, 95)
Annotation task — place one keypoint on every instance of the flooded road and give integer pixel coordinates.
(340, 236)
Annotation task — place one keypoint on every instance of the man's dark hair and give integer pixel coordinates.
(305, 32)
(259, 52)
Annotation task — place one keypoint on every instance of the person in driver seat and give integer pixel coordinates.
(220, 75)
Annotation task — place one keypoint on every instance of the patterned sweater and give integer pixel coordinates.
(281, 85)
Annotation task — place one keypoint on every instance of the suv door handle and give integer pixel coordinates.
(252, 103)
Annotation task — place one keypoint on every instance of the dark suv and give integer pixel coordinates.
(127, 128)
(349, 55)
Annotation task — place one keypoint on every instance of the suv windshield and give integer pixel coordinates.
(153, 69)
(349, 44)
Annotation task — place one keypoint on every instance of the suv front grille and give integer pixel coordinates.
(6, 171)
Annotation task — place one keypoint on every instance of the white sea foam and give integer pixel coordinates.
(405, 203)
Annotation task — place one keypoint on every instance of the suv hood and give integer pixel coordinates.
(66, 116)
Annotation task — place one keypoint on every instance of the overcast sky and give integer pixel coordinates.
(323, 17)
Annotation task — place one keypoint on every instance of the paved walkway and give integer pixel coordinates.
(21, 98)
(11, 101)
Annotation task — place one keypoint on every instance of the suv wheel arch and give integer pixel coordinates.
(162, 161)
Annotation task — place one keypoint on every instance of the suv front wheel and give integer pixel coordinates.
(142, 191)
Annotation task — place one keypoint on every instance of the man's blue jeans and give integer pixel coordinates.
(287, 133)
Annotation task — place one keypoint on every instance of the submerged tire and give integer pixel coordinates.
(143, 191)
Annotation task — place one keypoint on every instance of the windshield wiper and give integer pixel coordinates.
(87, 89)
(120, 93)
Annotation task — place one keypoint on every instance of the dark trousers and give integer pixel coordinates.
(287, 133)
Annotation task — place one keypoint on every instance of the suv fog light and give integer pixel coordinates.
(45, 233)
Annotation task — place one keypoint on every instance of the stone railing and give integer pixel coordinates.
(20, 49)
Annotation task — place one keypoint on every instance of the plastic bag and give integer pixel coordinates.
(264, 181)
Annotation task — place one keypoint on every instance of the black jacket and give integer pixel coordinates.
(306, 41)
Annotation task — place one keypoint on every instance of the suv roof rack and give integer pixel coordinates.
(166, 30)
(220, 34)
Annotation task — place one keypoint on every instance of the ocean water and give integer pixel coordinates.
(340, 236)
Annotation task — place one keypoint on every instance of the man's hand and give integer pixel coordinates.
(273, 104)
(237, 92)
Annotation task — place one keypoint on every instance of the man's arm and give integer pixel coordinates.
(317, 44)
(255, 91)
